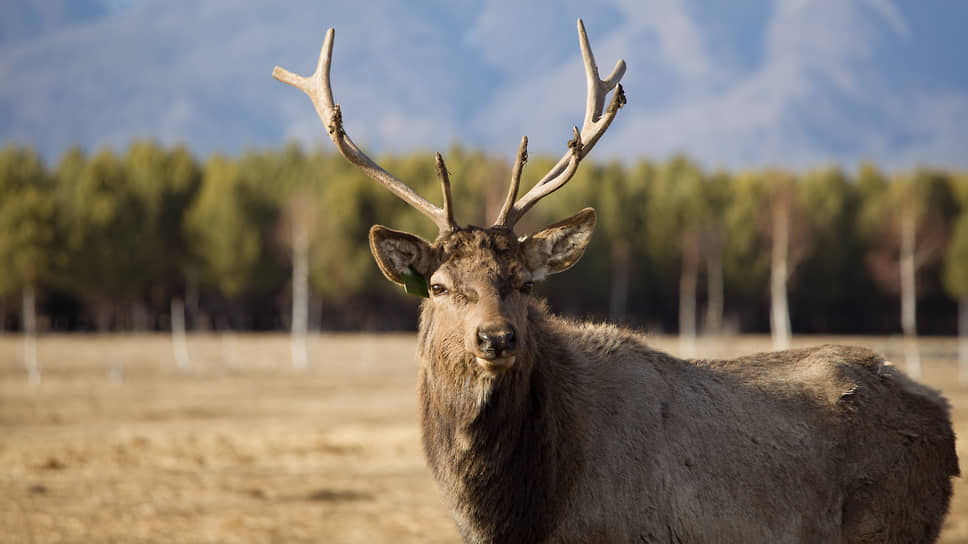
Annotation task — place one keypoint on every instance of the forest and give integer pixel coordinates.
(139, 239)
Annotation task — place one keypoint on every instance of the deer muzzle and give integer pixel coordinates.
(496, 345)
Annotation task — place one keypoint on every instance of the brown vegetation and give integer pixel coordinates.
(244, 449)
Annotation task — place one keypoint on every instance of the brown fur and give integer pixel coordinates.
(593, 436)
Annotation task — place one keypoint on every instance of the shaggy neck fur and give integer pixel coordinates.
(496, 445)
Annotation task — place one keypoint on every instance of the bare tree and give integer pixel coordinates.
(908, 270)
(179, 337)
(790, 242)
(301, 218)
(688, 280)
(712, 244)
(911, 234)
(717, 193)
(29, 312)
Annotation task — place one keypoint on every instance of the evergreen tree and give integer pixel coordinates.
(956, 272)
(167, 182)
(28, 239)
(232, 226)
(108, 238)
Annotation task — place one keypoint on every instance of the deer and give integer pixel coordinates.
(540, 428)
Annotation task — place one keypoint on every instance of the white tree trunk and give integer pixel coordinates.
(779, 262)
(300, 296)
(687, 299)
(29, 312)
(909, 294)
(179, 339)
(963, 339)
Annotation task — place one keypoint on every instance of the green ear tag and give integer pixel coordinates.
(414, 283)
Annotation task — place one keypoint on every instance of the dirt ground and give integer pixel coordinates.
(116, 445)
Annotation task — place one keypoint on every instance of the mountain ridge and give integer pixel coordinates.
(782, 82)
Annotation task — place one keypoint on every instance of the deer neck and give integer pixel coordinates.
(496, 445)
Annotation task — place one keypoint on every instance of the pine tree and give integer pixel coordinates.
(28, 239)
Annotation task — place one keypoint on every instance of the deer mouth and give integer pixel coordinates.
(495, 365)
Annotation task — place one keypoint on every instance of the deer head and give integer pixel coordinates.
(479, 279)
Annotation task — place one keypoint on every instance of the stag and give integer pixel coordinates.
(538, 428)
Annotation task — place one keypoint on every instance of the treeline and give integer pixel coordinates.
(117, 240)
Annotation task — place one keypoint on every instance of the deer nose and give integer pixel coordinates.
(497, 340)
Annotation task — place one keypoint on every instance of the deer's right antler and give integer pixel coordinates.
(594, 126)
(318, 88)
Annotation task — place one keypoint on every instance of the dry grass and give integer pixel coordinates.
(117, 446)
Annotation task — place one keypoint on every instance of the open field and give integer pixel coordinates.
(117, 446)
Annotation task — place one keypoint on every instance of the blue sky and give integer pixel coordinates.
(737, 84)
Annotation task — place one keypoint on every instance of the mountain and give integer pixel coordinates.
(788, 82)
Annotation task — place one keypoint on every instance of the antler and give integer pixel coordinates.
(592, 129)
(318, 88)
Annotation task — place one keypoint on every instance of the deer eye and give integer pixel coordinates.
(438, 289)
(526, 287)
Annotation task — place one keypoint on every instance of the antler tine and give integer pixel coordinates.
(598, 89)
(445, 189)
(318, 87)
(520, 160)
(597, 120)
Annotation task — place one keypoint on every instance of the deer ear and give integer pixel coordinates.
(559, 246)
(396, 251)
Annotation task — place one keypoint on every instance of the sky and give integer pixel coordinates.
(747, 83)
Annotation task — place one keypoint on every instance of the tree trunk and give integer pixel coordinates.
(687, 297)
(315, 314)
(909, 294)
(102, 315)
(963, 339)
(228, 343)
(714, 288)
(300, 296)
(29, 311)
(779, 263)
(191, 303)
(618, 297)
(179, 340)
(140, 322)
